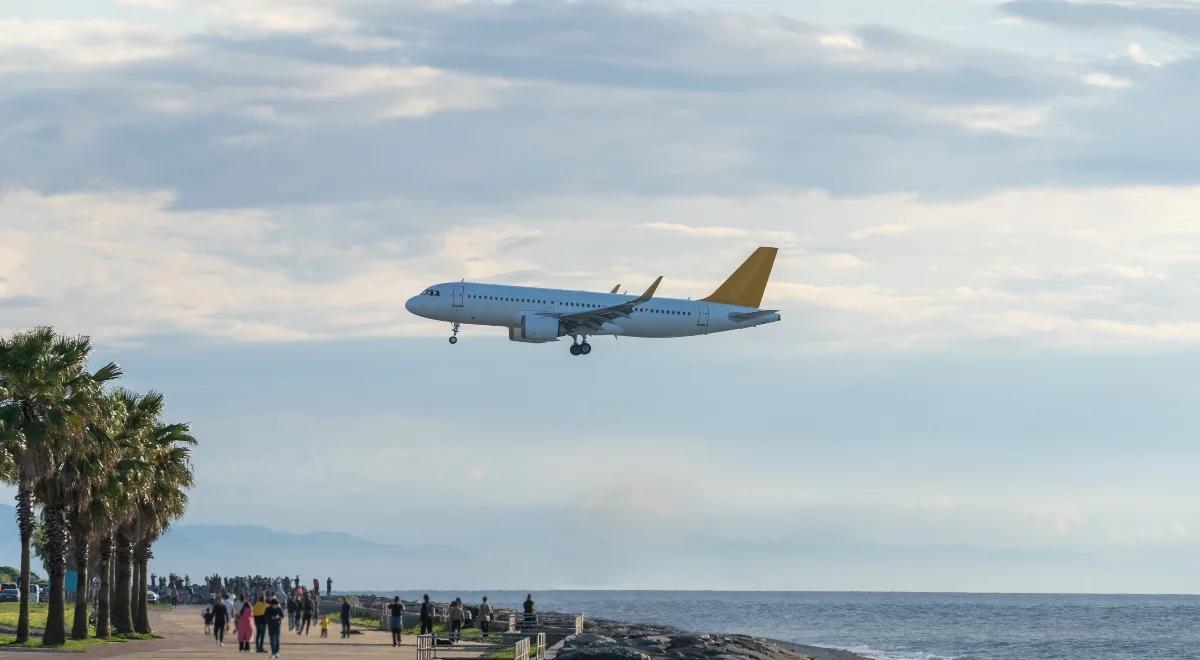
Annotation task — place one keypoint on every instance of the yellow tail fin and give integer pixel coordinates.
(747, 284)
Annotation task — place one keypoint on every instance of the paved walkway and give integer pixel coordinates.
(183, 632)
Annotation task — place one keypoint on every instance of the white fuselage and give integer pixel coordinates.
(500, 305)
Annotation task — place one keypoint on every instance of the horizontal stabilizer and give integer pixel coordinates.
(750, 316)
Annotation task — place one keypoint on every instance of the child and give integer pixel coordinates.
(208, 617)
(324, 627)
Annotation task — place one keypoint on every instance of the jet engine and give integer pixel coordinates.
(535, 328)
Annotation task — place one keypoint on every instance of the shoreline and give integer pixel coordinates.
(634, 640)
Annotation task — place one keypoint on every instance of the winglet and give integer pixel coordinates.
(618, 286)
(653, 287)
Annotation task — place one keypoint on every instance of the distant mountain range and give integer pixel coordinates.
(200, 550)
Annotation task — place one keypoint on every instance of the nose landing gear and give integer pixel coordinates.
(454, 334)
(581, 348)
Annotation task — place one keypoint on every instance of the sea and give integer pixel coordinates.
(905, 626)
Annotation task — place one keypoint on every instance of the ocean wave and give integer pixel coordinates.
(876, 654)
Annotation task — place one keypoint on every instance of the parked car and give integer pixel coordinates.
(10, 595)
(151, 597)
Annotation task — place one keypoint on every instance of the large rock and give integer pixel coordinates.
(612, 651)
(611, 640)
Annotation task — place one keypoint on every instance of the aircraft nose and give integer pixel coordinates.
(412, 305)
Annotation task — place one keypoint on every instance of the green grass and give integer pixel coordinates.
(36, 642)
(37, 622)
(468, 634)
(9, 612)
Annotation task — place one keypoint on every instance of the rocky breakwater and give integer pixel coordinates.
(612, 640)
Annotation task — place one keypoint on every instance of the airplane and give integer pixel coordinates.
(537, 315)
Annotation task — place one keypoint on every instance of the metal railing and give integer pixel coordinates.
(541, 646)
(521, 649)
(426, 647)
(570, 624)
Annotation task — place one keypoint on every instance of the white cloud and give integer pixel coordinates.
(840, 40)
(1139, 55)
(689, 230)
(28, 46)
(1101, 79)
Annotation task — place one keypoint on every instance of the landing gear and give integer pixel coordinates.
(454, 334)
(581, 348)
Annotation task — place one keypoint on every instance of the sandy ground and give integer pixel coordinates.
(183, 632)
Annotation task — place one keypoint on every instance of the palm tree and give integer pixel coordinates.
(169, 456)
(141, 418)
(89, 485)
(113, 499)
(48, 395)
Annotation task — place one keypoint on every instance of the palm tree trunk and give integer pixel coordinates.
(122, 620)
(79, 628)
(142, 557)
(56, 564)
(25, 527)
(102, 599)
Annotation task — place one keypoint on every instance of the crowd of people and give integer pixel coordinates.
(261, 620)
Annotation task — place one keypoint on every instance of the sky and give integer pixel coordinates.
(987, 220)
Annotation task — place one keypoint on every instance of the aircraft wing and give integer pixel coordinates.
(592, 319)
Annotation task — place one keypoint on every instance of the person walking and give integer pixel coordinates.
(220, 618)
(396, 619)
(426, 615)
(291, 612)
(245, 627)
(345, 618)
(325, 627)
(208, 618)
(260, 622)
(455, 616)
(306, 614)
(274, 621)
(530, 617)
(485, 618)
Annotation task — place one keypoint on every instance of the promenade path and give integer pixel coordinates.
(183, 637)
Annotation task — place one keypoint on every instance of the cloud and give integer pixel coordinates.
(45, 46)
(1175, 18)
(688, 230)
(357, 101)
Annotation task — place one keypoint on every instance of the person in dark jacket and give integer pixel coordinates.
(426, 615)
(220, 618)
(396, 619)
(293, 621)
(274, 621)
(306, 614)
(345, 618)
(530, 618)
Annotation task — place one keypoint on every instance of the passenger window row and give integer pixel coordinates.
(575, 304)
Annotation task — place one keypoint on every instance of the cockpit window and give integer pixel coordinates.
(431, 292)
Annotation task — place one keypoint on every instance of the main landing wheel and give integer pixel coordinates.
(454, 340)
(585, 348)
(575, 350)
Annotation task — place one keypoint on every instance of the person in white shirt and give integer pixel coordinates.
(485, 617)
